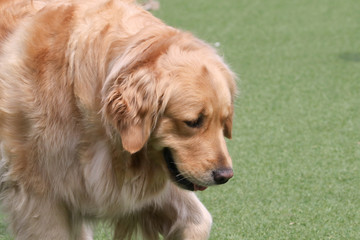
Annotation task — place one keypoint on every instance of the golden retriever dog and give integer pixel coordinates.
(108, 114)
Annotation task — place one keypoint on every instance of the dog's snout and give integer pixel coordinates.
(221, 176)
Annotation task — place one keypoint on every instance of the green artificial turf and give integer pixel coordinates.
(296, 139)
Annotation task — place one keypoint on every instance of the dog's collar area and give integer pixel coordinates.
(176, 176)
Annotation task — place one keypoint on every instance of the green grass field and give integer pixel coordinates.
(296, 145)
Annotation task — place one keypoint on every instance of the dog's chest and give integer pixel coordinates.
(120, 184)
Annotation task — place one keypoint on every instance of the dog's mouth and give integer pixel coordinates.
(176, 176)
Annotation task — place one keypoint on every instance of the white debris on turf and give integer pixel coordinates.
(151, 5)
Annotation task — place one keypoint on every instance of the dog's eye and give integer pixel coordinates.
(196, 123)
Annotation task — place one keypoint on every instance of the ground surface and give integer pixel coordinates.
(296, 146)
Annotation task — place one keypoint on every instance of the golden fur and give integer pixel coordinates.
(97, 99)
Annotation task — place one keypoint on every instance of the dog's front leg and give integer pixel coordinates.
(34, 217)
(192, 222)
(180, 215)
(176, 215)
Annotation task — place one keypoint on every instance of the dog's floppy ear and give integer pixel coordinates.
(228, 124)
(132, 96)
(132, 110)
(229, 121)
(228, 128)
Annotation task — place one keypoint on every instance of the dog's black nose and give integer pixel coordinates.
(223, 175)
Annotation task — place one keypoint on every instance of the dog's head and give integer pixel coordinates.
(174, 93)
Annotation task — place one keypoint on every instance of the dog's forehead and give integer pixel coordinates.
(199, 80)
(202, 89)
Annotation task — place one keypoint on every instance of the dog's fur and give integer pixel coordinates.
(95, 97)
